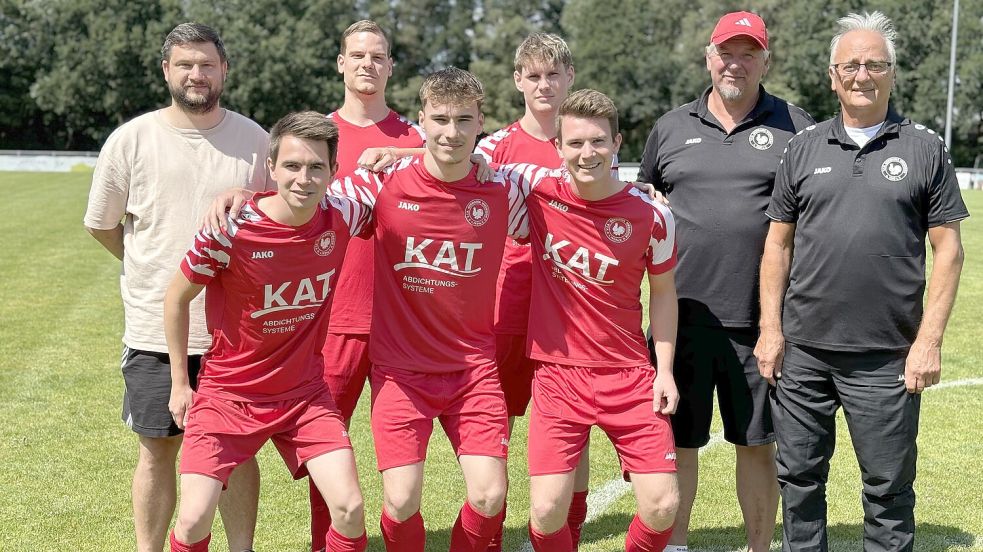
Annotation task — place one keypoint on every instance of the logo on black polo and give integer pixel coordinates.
(617, 229)
(477, 212)
(761, 138)
(894, 169)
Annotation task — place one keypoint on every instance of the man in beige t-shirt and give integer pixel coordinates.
(154, 176)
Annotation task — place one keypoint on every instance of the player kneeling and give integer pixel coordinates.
(593, 239)
(269, 283)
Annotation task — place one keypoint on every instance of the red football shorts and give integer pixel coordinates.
(222, 434)
(515, 370)
(346, 367)
(469, 404)
(568, 400)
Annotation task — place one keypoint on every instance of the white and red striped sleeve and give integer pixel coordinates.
(487, 146)
(210, 253)
(356, 214)
(661, 254)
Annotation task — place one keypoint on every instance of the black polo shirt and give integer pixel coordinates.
(861, 215)
(719, 185)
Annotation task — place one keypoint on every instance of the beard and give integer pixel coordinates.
(729, 92)
(193, 103)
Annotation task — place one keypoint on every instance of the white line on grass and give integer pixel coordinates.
(957, 383)
(598, 501)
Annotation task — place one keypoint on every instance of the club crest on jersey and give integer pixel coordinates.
(477, 212)
(894, 169)
(617, 229)
(325, 244)
(761, 138)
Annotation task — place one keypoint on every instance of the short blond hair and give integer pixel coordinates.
(451, 86)
(364, 26)
(542, 48)
(588, 104)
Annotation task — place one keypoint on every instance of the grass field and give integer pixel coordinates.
(66, 459)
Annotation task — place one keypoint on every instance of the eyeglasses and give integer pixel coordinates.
(850, 69)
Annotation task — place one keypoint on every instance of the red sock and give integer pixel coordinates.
(403, 536)
(473, 530)
(641, 538)
(554, 542)
(495, 545)
(336, 542)
(577, 516)
(320, 518)
(200, 546)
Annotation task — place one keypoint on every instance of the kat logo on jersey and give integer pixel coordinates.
(448, 257)
(292, 295)
(579, 260)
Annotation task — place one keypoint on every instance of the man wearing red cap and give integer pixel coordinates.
(720, 210)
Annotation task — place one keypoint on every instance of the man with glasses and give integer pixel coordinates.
(842, 281)
(720, 209)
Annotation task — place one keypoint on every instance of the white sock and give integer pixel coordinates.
(675, 548)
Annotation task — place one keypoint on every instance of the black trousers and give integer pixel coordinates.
(883, 421)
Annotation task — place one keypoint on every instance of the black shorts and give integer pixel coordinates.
(147, 377)
(709, 358)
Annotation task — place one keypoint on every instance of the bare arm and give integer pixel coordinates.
(775, 265)
(662, 323)
(377, 159)
(923, 367)
(112, 240)
(176, 322)
(230, 200)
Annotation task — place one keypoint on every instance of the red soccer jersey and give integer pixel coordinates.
(513, 144)
(269, 288)
(439, 250)
(352, 311)
(589, 260)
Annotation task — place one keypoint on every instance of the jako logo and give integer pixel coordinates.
(823, 170)
(262, 254)
(693, 141)
(559, 206)
(408, 206)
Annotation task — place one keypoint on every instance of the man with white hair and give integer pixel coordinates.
(842, 281)
(720, 209)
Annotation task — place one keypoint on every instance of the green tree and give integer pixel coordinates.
(282, 53)
(101, 66)
(21, 122)
(503, 25)
(633, 64)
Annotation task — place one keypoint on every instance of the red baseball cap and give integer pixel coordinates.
(740, 24)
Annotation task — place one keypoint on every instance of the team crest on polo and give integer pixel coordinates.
(325, 244)
(894, 169)
(617, 229)
(477, 212)
(761, 138)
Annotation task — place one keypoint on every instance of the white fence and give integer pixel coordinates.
(46, 161)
